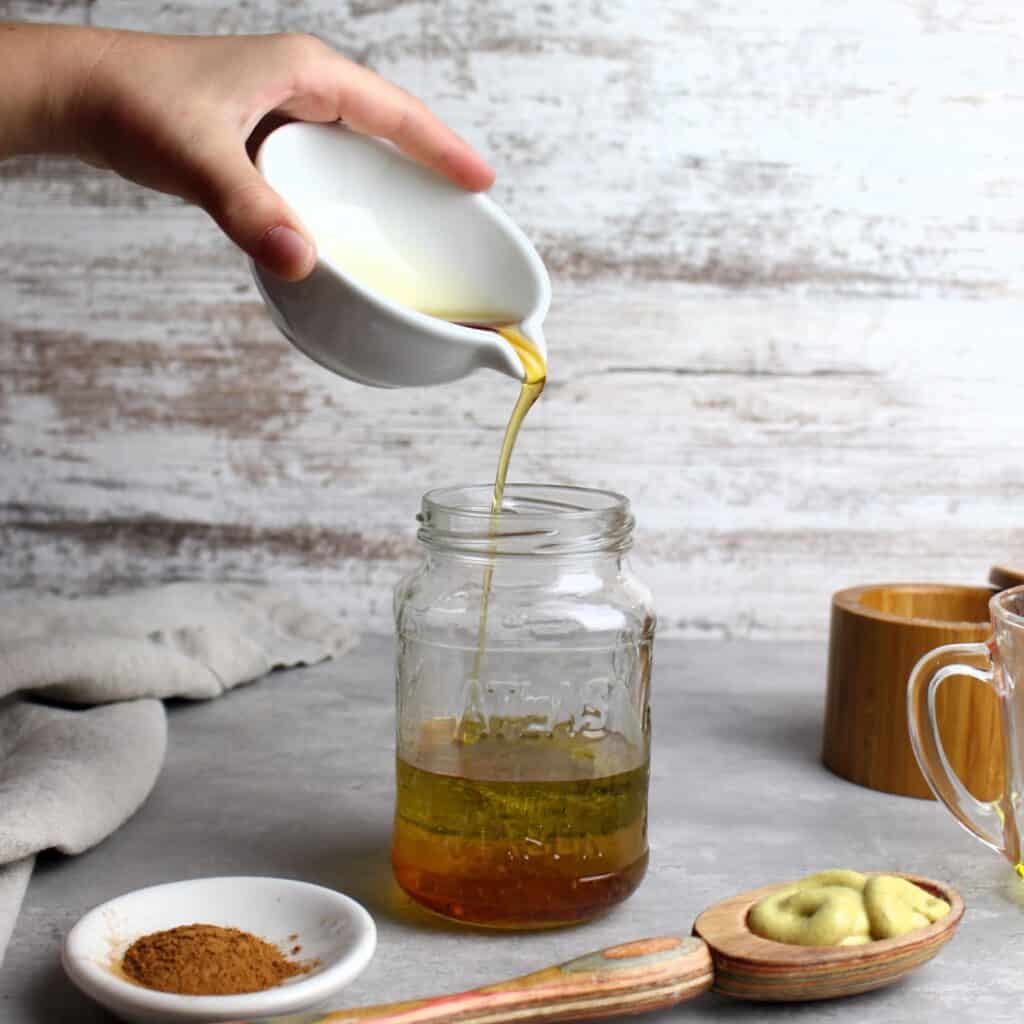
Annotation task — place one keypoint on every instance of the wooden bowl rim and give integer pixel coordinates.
(850, 601)
(1005, 577)
(785, 954)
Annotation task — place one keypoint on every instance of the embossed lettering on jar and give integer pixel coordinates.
(523, 734)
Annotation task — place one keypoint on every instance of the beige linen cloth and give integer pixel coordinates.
(70, 776)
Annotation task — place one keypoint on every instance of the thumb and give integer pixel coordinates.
(255, 217)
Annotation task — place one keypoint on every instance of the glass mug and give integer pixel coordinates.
(999, 823)
(523, 730)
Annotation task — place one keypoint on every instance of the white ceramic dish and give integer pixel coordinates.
(330, 927)
(396, 243)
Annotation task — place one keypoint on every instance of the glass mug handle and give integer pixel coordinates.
(981, 819)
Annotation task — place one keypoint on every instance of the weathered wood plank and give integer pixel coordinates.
(788, 276)
(70, 12)
(742, 146)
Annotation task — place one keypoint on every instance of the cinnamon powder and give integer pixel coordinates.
(207, 960)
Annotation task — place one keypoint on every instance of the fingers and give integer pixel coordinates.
(377, 107)
(254, 216)
(334, 87)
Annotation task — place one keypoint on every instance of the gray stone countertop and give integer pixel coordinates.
(293, 776)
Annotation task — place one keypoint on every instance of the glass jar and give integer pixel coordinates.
(523, 668)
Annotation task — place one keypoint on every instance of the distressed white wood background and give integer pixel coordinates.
(787, 245)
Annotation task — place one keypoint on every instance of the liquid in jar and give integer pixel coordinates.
(518, 829)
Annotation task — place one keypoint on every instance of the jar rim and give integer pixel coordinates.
(535, 519)
(442, 498)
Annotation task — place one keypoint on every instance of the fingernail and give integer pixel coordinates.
(283, 251)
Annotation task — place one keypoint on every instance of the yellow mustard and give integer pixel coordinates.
(844, 908)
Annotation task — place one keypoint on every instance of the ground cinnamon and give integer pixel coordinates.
(207, 960)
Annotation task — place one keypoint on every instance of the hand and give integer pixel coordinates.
(174, 113)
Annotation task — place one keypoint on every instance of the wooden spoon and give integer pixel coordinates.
(749, 967)
(723, 955)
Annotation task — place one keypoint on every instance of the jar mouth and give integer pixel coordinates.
(535, 519)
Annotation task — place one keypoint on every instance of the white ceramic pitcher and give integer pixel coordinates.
(401, 254)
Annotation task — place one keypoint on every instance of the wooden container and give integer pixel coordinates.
(877, 635)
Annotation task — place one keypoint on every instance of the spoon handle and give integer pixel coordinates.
(650, 974)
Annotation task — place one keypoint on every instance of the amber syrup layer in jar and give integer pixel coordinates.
(516, 829)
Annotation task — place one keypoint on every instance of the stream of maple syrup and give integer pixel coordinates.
(535, 376)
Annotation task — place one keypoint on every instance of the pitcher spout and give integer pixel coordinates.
(532, 330)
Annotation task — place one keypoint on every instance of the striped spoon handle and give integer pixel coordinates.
(650, 974)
